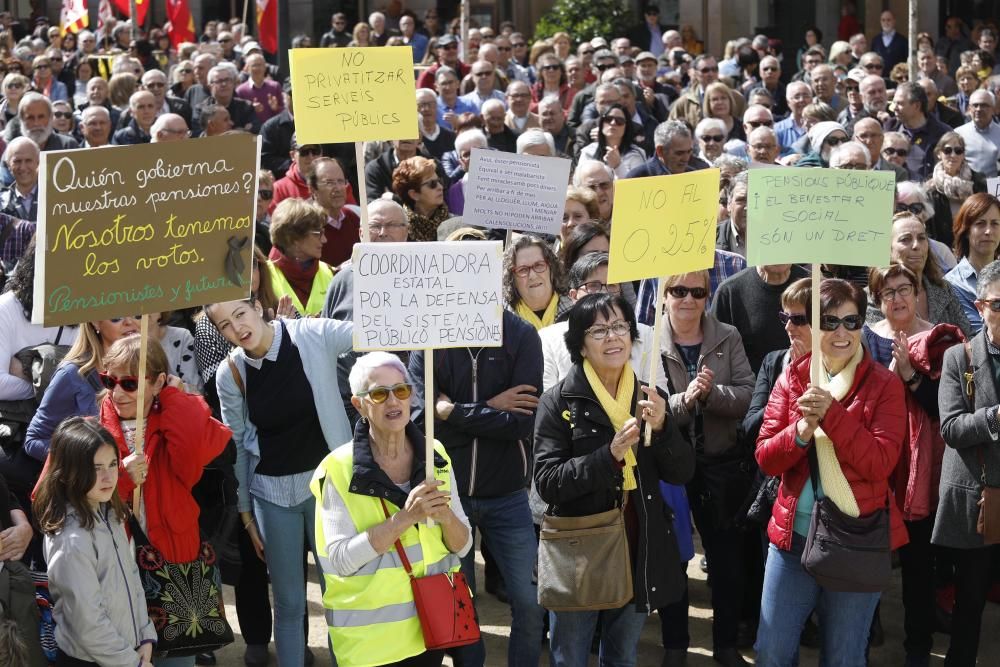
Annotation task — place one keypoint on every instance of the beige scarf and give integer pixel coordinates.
(835, 484)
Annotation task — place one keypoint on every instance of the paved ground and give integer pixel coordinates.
(495, 619)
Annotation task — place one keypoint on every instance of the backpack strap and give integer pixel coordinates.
(236, 376)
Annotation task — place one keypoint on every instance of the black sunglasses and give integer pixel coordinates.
(796, 320)
(916, 208)
(680, 292)
(901, 152)
(957, 150)
(265, 194)
(712, 138)
(850, 322)
(129, 383)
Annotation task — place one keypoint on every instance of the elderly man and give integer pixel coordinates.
(169, 127)
(823, 137)
(328, 186)
(500, 137)
(222, 88)
(20, 200)
(674, 147)
(155, 82)
(855, 108)
(927, 66)
(953, 43)
(506, 65)
(923, 130)
(449, 104)
(95, 126)
(603, 61)
(485, 78)
(762, 146)
(436, 139)
(874, 97)
(518, 117)
(215, 120)
(890, 44)
(417, 41)
(380, 32)
(34, 113)
(948, 115)
(755, 116)
(553, 120)
(228, 43)
(605, 94)
(982, 134)
(657, 96)
(799, 96)
(869, 133)
(770, 80)
(296, 180)
(142, 106)
(197, 93)
(598, 177)
(824, 85)
(262, 93)
(731, 233)
(387, 223)
(851, 155)
(446, 51)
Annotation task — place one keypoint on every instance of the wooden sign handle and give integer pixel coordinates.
(816, 365)
(140, 412)
(654, 360)
(359, 158)
(429, 412)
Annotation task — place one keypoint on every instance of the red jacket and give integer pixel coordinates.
(867, 430)
(181, 439)
(292, 185)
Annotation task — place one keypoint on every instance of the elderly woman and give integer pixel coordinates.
(45, 82)
(711, 136)
(417, 185)
(710, 387)
(581, 206)
(896, 148)
(952, 182)
(846, 431)
(968, 408)
(588, 459)
(182, 79)
(534, 282)
(552, 83)
(977, 240)
(615, 145)
(823, 137)
(14, 87)
(455, 198)
(371, 494)
(718, 103)
(936, 300)
(280, 396)
(62, 117)
(295, 266)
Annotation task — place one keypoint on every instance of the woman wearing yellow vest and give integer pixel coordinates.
(369, 604)
(534, 284)
(588, 456)
(295, 266)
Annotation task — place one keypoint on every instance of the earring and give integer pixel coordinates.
(97, 332)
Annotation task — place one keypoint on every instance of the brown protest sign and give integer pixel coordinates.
(147, 228)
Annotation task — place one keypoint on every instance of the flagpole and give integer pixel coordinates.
(132, 14)
(246, 6)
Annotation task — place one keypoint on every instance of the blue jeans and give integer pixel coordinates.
(507, 527)
(790, 595)
(186, 661)
(285, 531)
(571, 633)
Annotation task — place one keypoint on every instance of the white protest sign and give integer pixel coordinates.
(410, 296)
(520, 192)
(993, 186)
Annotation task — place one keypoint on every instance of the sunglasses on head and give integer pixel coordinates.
(850, 322)
(128, 383)
(796, 320)
(380, 394)
(681, 292)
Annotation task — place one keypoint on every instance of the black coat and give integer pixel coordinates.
(941, 226)
(576, 475)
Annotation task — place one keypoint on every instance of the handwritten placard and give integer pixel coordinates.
(834, 216)
(522, 192)
(354, 94)
(147, 228)
(993, 186)
(663, 225)
(410, 296)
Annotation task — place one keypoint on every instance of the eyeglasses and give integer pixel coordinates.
(432, 184)
(505, 49)
(551, 68)
(872, 66)
(835, 141)
(953, 150)
(615, 120)
(850, 322)
(992, 304)
(265, 194)
(890, 293)
(703, 70)
(116, 320)
(540, 266)
(796, 320)
(916, 208)
(332, 183)
(681, 292)
(449, 47)
(595, 286)
(760, 123)
(128, 383)
(155, 85)
(890, 151)
(605, 66)
(307, 151)
(380, 394)
(378, 227)
(712, 138)
(186, 70)
(600, 331)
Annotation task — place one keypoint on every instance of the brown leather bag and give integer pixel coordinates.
(583, 562)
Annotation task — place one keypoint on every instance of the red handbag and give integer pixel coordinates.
(444, 605)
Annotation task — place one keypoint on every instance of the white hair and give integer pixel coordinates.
(363, 368)
(385, 205)
(470, 139)
(33, 98)
(843, 151)
(587, 165)
(706, 124)
(426, 92)
(489, 105)
(536, 137)
(16, 143)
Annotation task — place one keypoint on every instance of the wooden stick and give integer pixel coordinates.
(359, 159)
(140, 403)
(816, 365)
(654, 360)
(507, 240)
(429, 411)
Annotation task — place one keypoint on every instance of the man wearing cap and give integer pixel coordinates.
(648, 35)
(263, 93)
(657, 96)
(446, 52)
(296, 181)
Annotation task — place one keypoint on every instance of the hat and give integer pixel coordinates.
(645, 55)
(857, 74)
(820, 131)
(250, 47)
(445, 40)
(295, 144)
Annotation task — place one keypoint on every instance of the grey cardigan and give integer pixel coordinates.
(965, 431)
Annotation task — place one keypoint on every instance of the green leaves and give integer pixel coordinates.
(585, 19)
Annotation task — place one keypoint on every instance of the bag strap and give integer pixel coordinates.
(814, 469)
(236, 376)
(970, 391)
(399, 545)
(58, 333)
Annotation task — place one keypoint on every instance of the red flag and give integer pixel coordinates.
(267, 25)
(181, 23)
(140, 9)
(73, 17)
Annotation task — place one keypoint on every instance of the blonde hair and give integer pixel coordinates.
(293, 218)
(88, 350)
(670, 281)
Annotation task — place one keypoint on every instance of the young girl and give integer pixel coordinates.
(100, 608)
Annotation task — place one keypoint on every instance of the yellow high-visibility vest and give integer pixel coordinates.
(317, 296)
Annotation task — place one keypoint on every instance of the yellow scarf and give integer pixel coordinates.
(835, 484)
(618, 408)
(548, 317)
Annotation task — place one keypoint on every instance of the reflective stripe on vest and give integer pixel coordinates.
(317, 294)
(370, 614)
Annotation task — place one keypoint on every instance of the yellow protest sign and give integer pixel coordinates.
(345, 95)
(663, 225)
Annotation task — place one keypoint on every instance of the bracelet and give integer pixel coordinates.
(913, 378)
(246, 526)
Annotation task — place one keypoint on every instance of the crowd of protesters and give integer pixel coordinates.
(260, 412)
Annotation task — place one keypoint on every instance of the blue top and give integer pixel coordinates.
(963, 279)
(880, 347)
(69, 394)
(461, 106)
(788, 133)
(418, 43)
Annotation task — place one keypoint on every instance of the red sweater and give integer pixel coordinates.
(181, 439)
